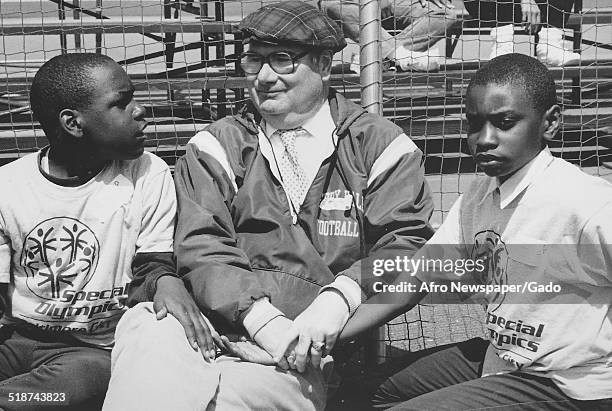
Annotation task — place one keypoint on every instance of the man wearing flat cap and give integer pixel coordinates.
(277, 207)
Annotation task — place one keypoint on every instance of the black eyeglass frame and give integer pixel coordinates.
(266, 59)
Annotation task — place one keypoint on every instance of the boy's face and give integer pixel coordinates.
(505, 131)
(113, 123)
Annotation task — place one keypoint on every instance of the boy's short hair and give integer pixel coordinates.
(519, 70)
(63, 82)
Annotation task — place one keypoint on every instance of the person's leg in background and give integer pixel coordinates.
(500, 16)
(422, 24)
(503, 15)
(421, 27)
(346, 14)
(64, 373)
(550, 49)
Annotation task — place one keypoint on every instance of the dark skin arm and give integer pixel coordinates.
(381, 308)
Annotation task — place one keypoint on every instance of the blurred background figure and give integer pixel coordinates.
(546, 17)
(421, 24)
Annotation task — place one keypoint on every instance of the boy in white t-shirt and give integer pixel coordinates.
(532, 240)
(86, 227)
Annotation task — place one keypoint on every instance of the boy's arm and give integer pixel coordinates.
(147, 268)
(153, 267)
(379, 309)
(446, 242)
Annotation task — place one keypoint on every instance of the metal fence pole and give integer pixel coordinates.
(371, 99)
(370, 55)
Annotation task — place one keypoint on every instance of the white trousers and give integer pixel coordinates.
(154, 368)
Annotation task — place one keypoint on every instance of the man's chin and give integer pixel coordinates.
(271, 108)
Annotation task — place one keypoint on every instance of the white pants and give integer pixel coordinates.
(154, 368)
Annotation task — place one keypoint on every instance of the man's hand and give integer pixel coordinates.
(172, 297)
(270, 336)
(315, 330)
(247, 351)
(530, 16)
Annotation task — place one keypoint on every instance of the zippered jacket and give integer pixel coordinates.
(236, 240)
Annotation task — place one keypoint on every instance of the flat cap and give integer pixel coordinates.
(293, 22)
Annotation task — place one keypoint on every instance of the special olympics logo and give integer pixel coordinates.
(58, 253)
(489, 247)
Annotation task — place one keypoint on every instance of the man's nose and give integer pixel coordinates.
(266, 74)
(487, 137)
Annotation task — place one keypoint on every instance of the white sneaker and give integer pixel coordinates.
(551, 50)
(409, 60)
(556, 57)
(503, 40)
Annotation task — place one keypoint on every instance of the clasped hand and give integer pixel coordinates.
(313, 332)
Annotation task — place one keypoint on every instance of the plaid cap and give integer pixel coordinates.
(293, 22)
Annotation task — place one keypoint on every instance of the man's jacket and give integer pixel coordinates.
(236, 242)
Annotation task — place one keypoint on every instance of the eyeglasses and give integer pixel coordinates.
(280, 62)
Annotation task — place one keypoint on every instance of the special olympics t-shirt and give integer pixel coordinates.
(66, 252)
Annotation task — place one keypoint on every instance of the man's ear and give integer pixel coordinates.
(71, 122)
(325, 61)
(552, 122)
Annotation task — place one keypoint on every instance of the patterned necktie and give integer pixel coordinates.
(294, 178)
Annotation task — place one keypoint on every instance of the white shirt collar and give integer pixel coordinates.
(519, 181)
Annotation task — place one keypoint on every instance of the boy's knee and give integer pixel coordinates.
(82, 377)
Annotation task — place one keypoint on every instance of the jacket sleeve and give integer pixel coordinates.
(147, 268)
(216, 271)
(397, 208)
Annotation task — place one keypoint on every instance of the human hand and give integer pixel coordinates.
(530, 16)
(247, 351)
(171, 297)
(270, 336)
(443, 4)
(315, 330)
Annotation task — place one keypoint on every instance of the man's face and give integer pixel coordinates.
(283, 99)
(113, 123)
(504, 130)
